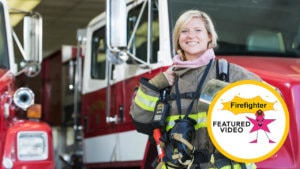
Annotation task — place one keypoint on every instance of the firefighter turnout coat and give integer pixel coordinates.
(148, 94)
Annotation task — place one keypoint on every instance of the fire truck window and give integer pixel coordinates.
(262, 28)
(4, 62)
(69, 72)
(139, 45)
(296, 42)
(98, 54)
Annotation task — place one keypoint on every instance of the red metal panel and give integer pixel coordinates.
(10, 150)
(51, 89)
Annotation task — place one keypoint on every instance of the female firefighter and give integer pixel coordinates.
(185, 136)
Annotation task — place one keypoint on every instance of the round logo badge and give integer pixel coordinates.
(248, 121)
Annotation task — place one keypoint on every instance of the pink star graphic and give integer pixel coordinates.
(260, 124)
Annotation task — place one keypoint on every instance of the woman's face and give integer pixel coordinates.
(194, 38)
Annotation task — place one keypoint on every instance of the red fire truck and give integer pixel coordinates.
(133, 39)
(25, 141)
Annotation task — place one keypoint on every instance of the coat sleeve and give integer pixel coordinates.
(143, 106)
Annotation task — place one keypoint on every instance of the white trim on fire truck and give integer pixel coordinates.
(124, 146)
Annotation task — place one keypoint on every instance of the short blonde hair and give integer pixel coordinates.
(186, 17)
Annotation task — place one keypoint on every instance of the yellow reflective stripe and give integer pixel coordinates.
(201, 121)
(250, 165)
(145, 101)
(200, 118)
(171, 121)
(238, 166)
(164, 167)
(235, 166)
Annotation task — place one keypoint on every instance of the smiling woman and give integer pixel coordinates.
(187, 142)
(194, 33)
(194, 39)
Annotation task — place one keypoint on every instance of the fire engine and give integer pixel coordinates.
(133, 39)
(25, 141)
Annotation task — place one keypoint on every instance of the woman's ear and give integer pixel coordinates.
(209, 44)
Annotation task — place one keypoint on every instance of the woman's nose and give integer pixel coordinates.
(191, 33)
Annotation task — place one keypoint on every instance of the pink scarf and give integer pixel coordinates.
(200, 61)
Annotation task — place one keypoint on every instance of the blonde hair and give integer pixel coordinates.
(186, 17)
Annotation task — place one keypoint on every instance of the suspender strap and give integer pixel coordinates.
(187, 95)
(197, 92)
(222, 70)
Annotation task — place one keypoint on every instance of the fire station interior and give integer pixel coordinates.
(61, 21)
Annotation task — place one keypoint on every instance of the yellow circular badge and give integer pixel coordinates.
(248, 121)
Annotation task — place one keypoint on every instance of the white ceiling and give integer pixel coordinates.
(62, 18)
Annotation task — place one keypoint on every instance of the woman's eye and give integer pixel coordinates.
(184, 31)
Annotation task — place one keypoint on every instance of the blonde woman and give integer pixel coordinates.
(194, 65)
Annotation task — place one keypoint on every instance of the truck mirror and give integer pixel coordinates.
(32, 41)
(116, 23)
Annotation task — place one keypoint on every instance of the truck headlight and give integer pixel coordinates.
(23, 97)
(32, 145)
